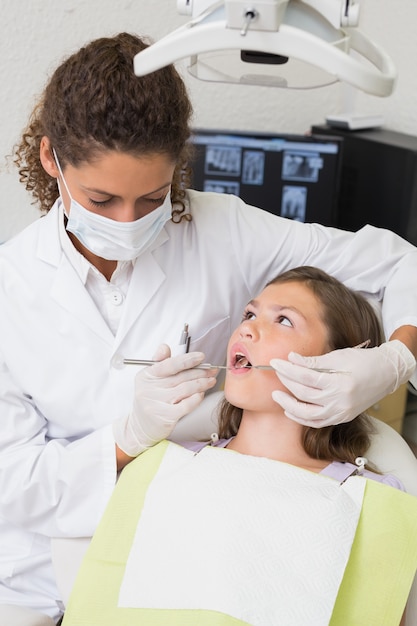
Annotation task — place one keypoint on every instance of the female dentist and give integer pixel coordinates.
(124, 256)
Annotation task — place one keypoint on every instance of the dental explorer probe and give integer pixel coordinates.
(202, 366)
(209, 366)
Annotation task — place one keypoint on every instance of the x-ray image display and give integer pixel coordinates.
(296, 176)
(301, 166)
(223, 160)
(222, 186)
(253, 167)
(294, 203)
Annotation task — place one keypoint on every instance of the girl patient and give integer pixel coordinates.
(303, 310)
(272, 522)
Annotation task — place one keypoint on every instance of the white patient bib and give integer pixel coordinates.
(259, 540)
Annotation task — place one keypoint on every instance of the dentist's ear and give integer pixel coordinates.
(47, 158)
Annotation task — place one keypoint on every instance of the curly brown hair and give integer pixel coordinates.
(93, 103)
(350, 320)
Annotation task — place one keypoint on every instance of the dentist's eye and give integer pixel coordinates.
(97, 204)
(156, 201)
(284, 321)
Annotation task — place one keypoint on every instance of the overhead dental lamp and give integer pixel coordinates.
(296, 44)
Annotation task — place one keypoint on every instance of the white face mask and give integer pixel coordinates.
(112, 240)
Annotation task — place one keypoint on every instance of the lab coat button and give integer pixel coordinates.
(117, 298)
(117, 362)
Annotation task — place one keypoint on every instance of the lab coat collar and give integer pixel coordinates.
(49, 247)
(146, 279)
(77, 260)
(69, 291)
(67, 287)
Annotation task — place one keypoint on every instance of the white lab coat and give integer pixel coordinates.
(62, 381)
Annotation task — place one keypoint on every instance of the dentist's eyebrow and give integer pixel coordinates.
(108, 193)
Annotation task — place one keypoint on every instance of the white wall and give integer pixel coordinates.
(35, 35)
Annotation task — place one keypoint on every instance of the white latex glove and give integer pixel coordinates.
(164, 392)
(363, 377)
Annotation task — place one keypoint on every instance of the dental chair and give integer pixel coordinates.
(388, 451)
(391, 454)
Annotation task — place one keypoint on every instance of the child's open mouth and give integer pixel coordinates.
(240, 361)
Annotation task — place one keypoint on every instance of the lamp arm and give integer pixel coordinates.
(187, 41)
(337, 12)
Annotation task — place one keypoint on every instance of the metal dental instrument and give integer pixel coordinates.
(185, 338)
(202, 366)
(209, 366)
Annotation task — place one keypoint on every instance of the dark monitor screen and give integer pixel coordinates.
(295, 176)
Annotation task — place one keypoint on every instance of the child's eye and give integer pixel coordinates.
(284, 321)
(248, 315)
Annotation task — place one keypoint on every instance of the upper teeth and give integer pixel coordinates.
(241, 360)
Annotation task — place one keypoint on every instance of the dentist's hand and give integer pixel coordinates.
(164, 392)
(363, 376)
